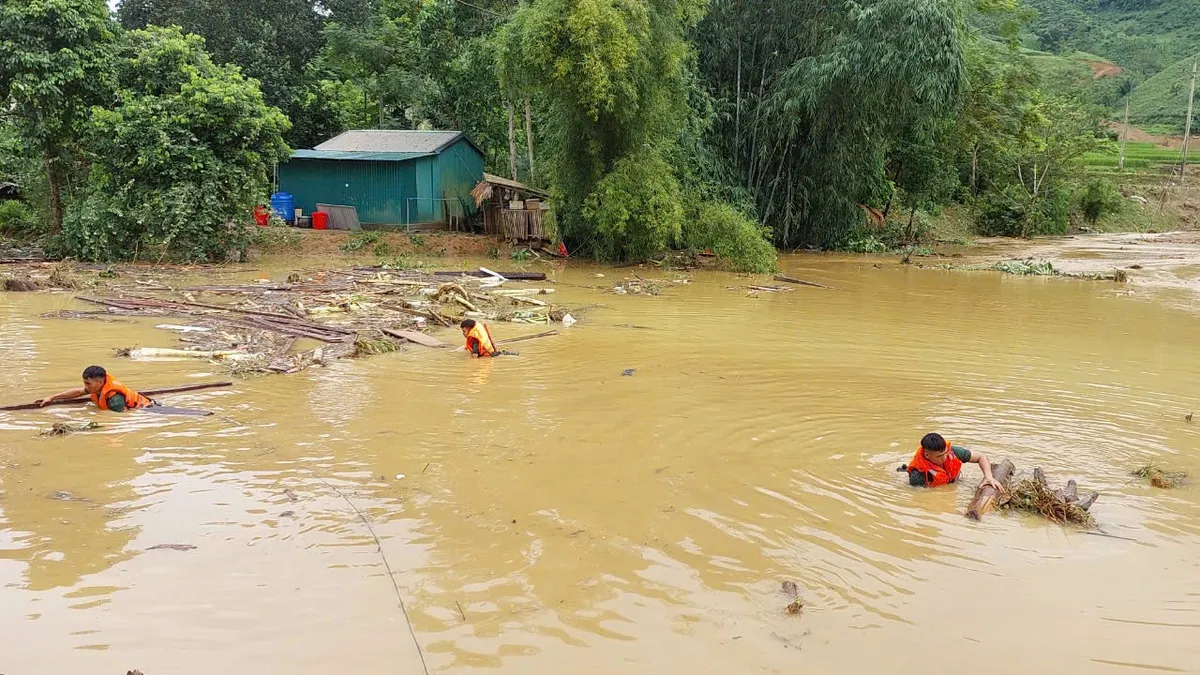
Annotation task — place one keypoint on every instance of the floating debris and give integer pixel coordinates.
(1026, 267)
(252, 328)
(62, 275)
(171, 547)
(21, 285)
(640, 286)
(1061, 506)
(628, 372)
(1161, 478)
(64, 428)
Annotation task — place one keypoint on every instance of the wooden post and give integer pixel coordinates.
(512, 145)
(1124, 137)
(1187, 127)
(529, 137)
(985, 496)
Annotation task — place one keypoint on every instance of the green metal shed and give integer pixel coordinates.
(391, 177)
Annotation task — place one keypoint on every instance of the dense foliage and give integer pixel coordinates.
(178, 159)
(656, 124)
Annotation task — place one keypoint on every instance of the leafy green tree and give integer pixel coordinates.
(53, 58)
(611, 76)
(812, 93)
(179, 160)
(274, 41)
(1054, 133)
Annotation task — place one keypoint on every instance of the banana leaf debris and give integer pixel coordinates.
(316, 318)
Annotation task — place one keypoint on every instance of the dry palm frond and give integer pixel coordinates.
(62, 275)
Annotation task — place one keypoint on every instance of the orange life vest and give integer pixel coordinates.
(942, 475)
(479, 340)
(133, 400)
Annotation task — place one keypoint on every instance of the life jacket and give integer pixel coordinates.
(942, 475)
(133, 400)
(479, 340)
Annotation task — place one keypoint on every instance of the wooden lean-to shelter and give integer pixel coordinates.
(511, 209)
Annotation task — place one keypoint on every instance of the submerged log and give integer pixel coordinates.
(800, 282)
(144, 392)
(986, 495)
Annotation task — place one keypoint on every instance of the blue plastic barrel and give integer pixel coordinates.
(284, 206)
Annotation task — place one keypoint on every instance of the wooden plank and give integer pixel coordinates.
(801, 282)
(144, 392)
(511, 276)
(985, 496)
(415, 337)
(522, 338)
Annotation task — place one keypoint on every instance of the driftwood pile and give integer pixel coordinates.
(255, 328)
(1033, 494)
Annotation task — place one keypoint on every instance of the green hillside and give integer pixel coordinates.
(1160, 103)
(1152, 41)
(1142, 36)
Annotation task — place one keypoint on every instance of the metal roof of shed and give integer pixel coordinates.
(359, 156)
(393, 141)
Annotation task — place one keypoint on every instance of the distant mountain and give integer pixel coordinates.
(1153, 42)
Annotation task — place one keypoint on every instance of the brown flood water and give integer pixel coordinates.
(555, 516)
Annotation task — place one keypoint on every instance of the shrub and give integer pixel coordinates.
(1099, 198)
(739, 242)
(1007, 213)
(360, 240)
(636, 209)
(17, 219)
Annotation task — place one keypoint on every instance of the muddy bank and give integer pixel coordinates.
(1169, 260)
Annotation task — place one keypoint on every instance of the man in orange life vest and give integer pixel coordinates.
(938, 463)
(479, 338)
(106, 393)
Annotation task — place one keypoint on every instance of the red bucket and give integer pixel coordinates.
(320, 220)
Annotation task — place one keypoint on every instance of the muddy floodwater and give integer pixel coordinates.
(547, 514)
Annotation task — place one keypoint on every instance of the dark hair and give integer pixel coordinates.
(468, 323)
(94, 373)
(933, 442)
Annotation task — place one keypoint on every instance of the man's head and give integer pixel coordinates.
(933, 446)
(467, 325)
(93, 379)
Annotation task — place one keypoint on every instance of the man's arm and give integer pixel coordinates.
(985, 465)
(63, 396)
(116, 402)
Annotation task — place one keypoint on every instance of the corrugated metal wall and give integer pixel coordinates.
(460, 168)
(378, 190)
(389, 193)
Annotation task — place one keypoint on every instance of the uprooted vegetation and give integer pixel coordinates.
(1034, 495)
(1160, 477)
(361, 312)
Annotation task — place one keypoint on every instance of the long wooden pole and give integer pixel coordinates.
(1124, 137)
(1187, 127)
(522, 338)
(144, 392)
